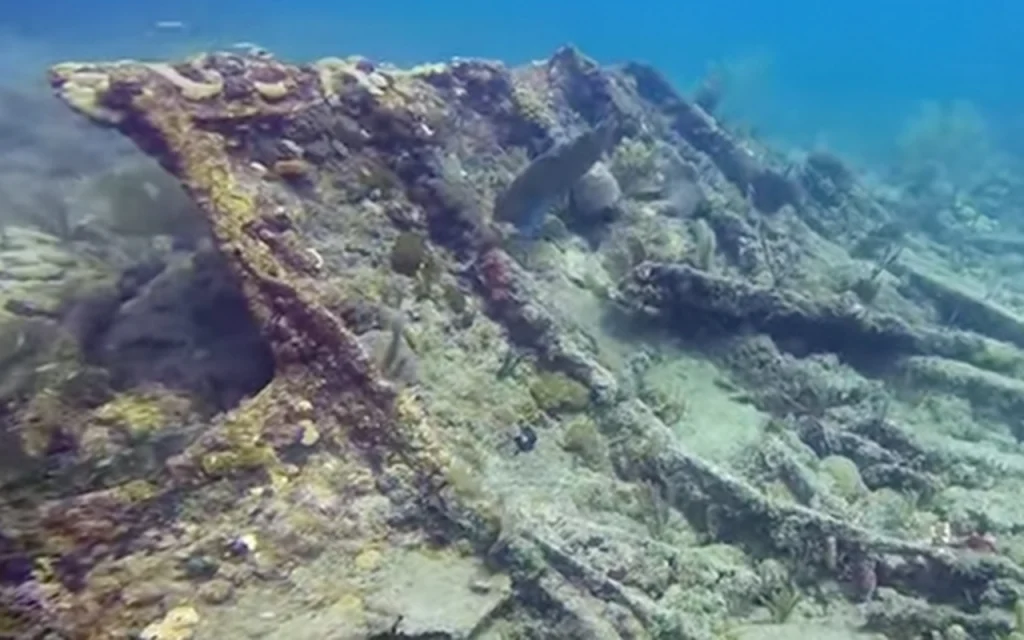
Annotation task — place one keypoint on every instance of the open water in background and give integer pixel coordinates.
(841, 74)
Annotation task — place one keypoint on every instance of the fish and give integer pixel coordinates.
(169, 25)
(549, 177)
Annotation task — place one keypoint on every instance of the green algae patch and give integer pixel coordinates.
(558, 393)
(142, 413)
(584, 440)
(135, 491)
(85, 90)
(245, 449)
(845, 477)
(531, 106)
(999, 357)
(245, 458)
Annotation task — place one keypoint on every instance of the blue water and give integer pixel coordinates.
(846, 74)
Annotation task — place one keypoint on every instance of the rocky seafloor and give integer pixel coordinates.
(470, 351)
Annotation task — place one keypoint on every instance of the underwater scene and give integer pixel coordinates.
(512, 321)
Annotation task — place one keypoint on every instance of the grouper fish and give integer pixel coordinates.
(541, 183)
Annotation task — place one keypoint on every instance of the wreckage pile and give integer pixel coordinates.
(555, 354)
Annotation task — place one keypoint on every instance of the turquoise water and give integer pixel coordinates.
(842, 74)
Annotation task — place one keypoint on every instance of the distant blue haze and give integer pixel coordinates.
(846, 73)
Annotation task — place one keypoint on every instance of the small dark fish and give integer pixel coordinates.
(525, 440)
(549, 177)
